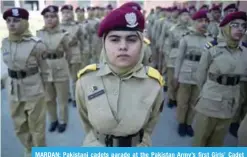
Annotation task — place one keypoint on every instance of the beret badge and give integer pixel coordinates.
(15, 12)
(51, 9)
(131, 19)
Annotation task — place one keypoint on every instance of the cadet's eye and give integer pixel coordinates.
(234, 25)
(132, 39)
(17, 20)
(114, 39)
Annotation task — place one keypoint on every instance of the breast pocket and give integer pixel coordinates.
(99, 111)
(215, 101)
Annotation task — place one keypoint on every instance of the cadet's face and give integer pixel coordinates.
(202, 25)
(216, 14)
(123, 48)
(14, 24)
(67, 14)
(238, 28)
(185, 17)
(51, 19)
(192, 12)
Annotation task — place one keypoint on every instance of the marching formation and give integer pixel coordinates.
(120, 65)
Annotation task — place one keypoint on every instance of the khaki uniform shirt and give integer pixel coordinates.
(57, 43)
(217, 100)
(75, 32)
(190, 48)
(93, 39)
(107, 104)
(172, 43)
(85, 38)
(21, 56)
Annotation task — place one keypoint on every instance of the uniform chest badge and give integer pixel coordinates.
(131, 20)
(95, 92)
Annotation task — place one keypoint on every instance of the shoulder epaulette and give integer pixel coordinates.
(211, 44)
(244, 44)
(153, 73)
(32, 38)
(146, 40)
(91, 67)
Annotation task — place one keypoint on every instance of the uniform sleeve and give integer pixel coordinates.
(66, 45)
(179, 60)
(169, 42)
(84, 40)
(81, 106)
(203, 67)
(153, 119)
(40, 51)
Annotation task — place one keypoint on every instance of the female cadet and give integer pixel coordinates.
(190, 49)
(75, 30)
(23, 54)
(218, 76)
(119, 101)
(146, 42)
(172, 43)
(57, 75)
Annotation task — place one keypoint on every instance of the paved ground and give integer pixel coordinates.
(164, 134)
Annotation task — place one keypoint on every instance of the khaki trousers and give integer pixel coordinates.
(171, 91)
(60, 91)
(74, 68)
(242, 133)
(187, 95)
(29, 123)
(242, 109)
(209, 131)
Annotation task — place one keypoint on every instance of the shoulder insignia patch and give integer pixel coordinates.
(146, 40)
(153, 73)
(211, 44)
(91, 67)
(244, 44)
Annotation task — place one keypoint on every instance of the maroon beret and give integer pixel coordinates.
(90, 8)
(192, 7)
(215, 7)
(184, 10)
(231, 6)
(204, 6)
(16, 12)
(109, 6)
(233, 16)
(68, 7)
(51, 9)
(134, 5)
(175, 8)
(200, 14)
(123, 18)
(79, 9)
(169, 9)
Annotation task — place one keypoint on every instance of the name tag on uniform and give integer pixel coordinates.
(96, 94)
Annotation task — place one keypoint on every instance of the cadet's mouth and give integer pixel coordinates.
(123, 56)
